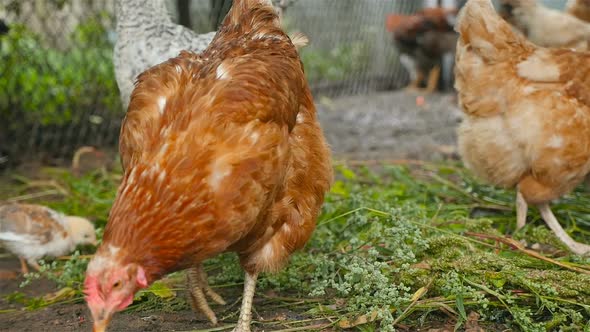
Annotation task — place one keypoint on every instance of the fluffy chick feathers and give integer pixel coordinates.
(34, 231)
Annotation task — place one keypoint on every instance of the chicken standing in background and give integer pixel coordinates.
(222, 151)
(527, 113)
(579, 9)
(545, 26)
(423, 39)
(34, 231)
(146, 36)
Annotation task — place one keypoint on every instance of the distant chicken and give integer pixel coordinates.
(579, 9)
(527, 113)
(545, 26)
(146, 36)
(423, 39)
(222, 151)
(34, 231)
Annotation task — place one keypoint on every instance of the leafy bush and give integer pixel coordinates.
(46, 86)
(339, 63)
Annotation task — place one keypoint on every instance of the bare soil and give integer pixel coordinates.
(391, 125)
(76, 317)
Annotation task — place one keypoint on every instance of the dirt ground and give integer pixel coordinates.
(378, 126)
(76, 317)
(391, 125)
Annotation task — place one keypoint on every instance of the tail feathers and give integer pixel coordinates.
(299, 40)
(486, 32)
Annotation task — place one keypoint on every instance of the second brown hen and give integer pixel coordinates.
(579, 9)
(545, 26)
(527, 113)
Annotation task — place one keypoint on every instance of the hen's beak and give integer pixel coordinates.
(101, 322)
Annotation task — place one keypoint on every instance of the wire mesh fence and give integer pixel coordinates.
(58, 92)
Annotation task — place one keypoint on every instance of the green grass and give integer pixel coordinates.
(395, 246)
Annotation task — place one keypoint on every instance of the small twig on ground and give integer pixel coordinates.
(417, 296)
(32, 196)
(317, 327)
(65, 258)
(373, 162)
(518, 246)
(50, 183)
(214, 329)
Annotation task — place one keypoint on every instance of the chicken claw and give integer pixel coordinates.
(551, 221)
(23, 266)
(35, 265)
(433, 77)
(415, 83)
(521, 210)
(247, 299)
(198, 287)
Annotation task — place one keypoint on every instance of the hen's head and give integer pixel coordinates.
(110, 285)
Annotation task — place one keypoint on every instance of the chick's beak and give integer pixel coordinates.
(102, 321)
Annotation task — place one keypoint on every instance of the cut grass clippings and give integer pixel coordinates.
(397, 246)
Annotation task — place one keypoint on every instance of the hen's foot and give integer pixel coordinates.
(433, 78)
(573, 245)
(246, 310)
(198, 287)
(521, 210)
(23, 266)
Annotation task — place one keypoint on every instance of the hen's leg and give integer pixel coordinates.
(415, 84)
(34, 264)
(208, 290)
(246, 310)
(521, 210)
(433, 77)
(549, 217)
(197, 283)
(23, 266)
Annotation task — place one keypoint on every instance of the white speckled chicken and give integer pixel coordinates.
(34, 231)
(527, 113)
(146, 36)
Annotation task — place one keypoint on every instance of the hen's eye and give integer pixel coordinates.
(116, 285)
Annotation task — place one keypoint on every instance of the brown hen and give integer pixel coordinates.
(545, 26)
(527, 113)
(579, 9)
(222, 151)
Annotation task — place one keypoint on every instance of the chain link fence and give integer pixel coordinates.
(57, 85)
